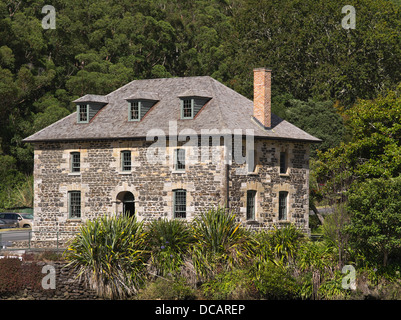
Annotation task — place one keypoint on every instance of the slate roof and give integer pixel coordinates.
(226, 109)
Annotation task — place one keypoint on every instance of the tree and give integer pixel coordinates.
(375, 147)
(310, 53)
(375, 227)
(318, 118)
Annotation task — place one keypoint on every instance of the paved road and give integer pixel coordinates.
(7, 237)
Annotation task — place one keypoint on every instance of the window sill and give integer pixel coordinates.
(252, 222)
(178, 171)
(74, 219)
(285, 175)
(125, 172)
(74, 173)
(283, 222)
(252, 173)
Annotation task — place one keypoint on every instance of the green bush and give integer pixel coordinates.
(169, 242)
(110, 253)
(221, 242)
(167, 289)
(230, 285)
(375, 208)
(275, 282)
(285, 242)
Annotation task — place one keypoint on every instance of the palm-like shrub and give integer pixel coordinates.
(221, 242)
(285, 243)
(109, 253)
(169, 242)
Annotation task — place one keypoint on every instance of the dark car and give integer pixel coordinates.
(10, 219)
(6, 225)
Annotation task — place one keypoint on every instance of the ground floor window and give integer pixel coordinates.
(180, 203)
(282, 205)
(250, 204)
(74, 204)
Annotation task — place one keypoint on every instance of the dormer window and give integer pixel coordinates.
(138, 108)
(83, 113)
(187, 109)
(190, 106)
(88, 106)
(134, 111)
(140, 103)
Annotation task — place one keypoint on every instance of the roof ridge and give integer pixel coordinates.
(154, 79)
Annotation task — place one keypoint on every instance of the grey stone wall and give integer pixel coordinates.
(101, 183)
(268, 182)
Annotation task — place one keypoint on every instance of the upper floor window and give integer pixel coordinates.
(88, 106)
(126, 160)
(83, 113)
(190, 106)
(282, 205)
(135, 111)
(75, 165)
(187, 111)
(179, 163)
(137, 108)
(283, 162)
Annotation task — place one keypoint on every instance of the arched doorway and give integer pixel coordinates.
(128, 201)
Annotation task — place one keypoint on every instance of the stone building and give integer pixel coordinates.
(171, 148)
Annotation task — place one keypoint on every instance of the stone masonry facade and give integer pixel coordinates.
(208, 183)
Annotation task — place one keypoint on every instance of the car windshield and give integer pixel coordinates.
(27, 216)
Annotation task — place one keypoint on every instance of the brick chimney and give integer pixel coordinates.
(262, 96)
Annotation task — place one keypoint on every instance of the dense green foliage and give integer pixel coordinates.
(342, 86)
(169, 242)
(374, 149)
(375, 227)
(98, 46)
(124, 259)
(220, 242)
(318, 118)
(110, 254)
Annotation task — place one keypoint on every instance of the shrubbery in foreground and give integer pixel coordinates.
(213, 257)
